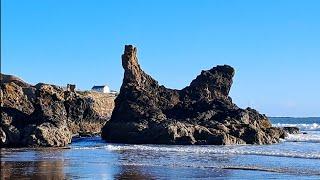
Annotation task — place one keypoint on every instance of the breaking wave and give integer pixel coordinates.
(302, 127)
(227, 150)
(314, 138)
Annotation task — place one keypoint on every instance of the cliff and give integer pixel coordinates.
(46, 115)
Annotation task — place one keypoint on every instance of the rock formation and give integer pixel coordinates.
(46, 115)
(201, 113)
(291, 130)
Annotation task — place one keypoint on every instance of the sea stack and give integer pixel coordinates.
(201, 113)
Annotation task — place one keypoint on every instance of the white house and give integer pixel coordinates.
(102, 89)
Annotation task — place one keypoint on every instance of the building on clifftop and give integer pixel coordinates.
(102, 89)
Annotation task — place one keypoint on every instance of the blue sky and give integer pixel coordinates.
(274, 45)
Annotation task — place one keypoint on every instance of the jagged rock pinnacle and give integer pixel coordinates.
(201, 113)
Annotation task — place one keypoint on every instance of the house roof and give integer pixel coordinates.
(98, 87)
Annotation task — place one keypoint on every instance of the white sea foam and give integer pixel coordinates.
(315, 138)
(302, 127)
(277, 151)
(86, 148)
(228, 150)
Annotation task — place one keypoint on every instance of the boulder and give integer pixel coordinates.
(48, 135)
(291, 130)
(201, 113)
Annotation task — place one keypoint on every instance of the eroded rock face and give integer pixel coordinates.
(201, 113)
(89, 112)
(45, 115)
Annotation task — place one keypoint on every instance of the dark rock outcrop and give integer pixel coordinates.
(45, 115)
(201, 113)
(291, 130)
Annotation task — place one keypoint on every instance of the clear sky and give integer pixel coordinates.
(274, 45)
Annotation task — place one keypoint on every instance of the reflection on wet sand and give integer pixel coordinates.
(133, 173)
(99, 163)
(32, 170)
(148, 164)
(55, 170)
(168, 172)
(137, 165)
(92, 158)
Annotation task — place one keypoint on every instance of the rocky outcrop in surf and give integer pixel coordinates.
(291, 130)
(46, 115)
(201, 113)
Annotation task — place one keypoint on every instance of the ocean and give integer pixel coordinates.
(297, 157)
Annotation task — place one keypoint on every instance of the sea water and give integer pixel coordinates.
(296, 157)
